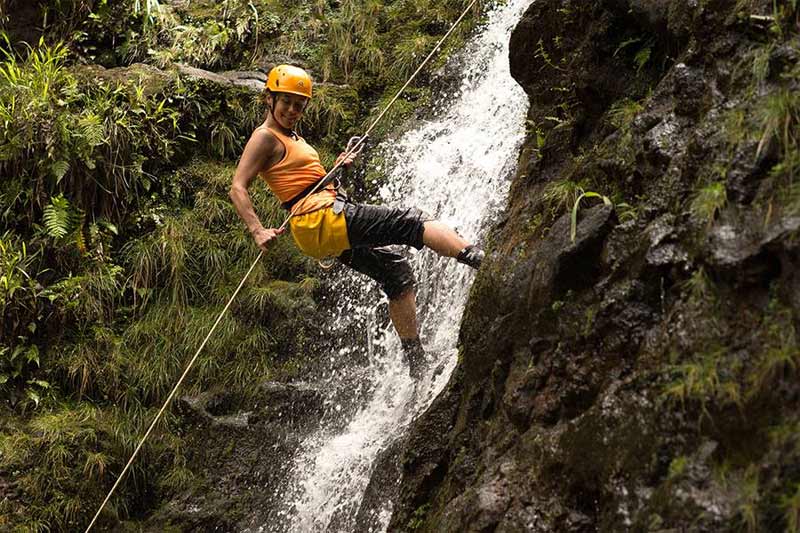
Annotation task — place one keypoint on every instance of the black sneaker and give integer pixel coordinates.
(471, 255)
(414, 354)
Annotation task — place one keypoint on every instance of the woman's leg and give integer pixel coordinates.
(396, 278)
(403, 313)
(442, 239)
(374, 226)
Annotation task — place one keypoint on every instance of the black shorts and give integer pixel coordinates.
(370, 229)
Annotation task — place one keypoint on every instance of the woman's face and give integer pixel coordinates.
(288, 108)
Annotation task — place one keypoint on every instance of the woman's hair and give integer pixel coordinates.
(265, 100)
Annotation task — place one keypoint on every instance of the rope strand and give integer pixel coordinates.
(375, 122)
(352, 150)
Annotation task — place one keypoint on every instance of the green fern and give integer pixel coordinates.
(59, 217)
(59, 169)
(791, 510)
(92, 129)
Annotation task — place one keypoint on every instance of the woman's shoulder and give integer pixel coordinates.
(270, 147)
(265, 138)
(263, 132)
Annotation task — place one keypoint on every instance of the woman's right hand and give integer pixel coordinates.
(265, 236)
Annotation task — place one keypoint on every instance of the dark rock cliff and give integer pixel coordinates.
(643, 375)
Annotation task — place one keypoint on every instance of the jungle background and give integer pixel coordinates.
(628, 358)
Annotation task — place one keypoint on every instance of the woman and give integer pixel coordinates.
(326, 226)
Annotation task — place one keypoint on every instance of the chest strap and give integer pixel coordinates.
(319, 185)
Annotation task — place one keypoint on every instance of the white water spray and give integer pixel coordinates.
(457, 168)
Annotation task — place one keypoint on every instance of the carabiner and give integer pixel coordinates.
(353, 142)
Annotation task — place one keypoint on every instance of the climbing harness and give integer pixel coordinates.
(327, 263)
(354, 147)
(331, 177)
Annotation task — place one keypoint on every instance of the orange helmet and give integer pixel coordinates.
(289, 79)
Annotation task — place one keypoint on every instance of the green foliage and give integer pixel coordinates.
(149, 8)
(785, 17)
(66, 459)
(779, 355)
(562, 195)
(677, 467)
(282, 297)
(535, 130)
(780, 117)
(749, 499)
(410, 52)
(59, 218)
(418, 518)
(761, 63)
(708, 377)
(642, 57)
(709, 200)
(224, 141)
(642, 51)
(700, 287)
(623, 112)
(743, 486)
(742, 369)
(544, 55)
(202, 45)
(791, 510)
(779, 137)
(626, 212)
(330, 112)
(100, 136)
(574, 217)
(23, 308)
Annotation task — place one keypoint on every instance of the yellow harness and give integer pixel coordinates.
(321, 233)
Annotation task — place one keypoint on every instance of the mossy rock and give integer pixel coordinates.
(152, 80)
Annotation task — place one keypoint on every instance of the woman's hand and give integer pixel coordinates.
(345, 161)
(265, 236)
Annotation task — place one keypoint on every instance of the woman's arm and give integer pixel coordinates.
(258, 153)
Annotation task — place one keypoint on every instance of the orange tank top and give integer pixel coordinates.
(299, 168)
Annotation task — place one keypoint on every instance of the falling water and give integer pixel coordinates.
(455, 166)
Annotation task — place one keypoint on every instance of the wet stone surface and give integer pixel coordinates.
(242, 449)
(567, 412)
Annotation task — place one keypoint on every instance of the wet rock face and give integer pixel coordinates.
(690, 90)
(240, 451)
(381, 490)
(253, 80)
(610, 382)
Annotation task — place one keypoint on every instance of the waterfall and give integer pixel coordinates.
(457, 167)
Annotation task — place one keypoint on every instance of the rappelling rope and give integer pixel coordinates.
(357, 146)
(354, 149)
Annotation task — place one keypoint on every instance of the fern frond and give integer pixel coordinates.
(58, 217)
(92, 129)
(80, 240)
(59, 169)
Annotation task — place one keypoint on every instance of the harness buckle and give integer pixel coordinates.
(326, 263)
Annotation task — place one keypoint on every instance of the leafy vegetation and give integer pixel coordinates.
(709, 201)
(574, 217)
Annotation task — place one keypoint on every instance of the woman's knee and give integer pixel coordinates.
(399, 280)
